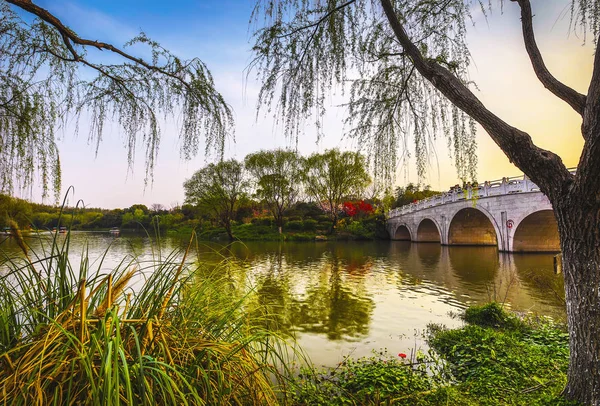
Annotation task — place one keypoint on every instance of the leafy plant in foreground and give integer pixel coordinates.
(147, 333)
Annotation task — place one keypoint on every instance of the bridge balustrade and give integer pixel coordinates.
(504, 186)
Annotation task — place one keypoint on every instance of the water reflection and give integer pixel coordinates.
(336, 302)
(358, 296)
(476, 266)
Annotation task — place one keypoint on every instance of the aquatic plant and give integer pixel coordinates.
(147, 332)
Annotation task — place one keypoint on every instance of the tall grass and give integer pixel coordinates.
(148, 332)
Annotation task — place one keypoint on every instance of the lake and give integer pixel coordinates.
(350, 298)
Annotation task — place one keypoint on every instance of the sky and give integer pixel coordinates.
(218, 32)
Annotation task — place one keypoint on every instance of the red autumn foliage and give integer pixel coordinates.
(349, 209)
(357, 209)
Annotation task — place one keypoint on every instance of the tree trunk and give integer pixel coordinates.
(228, 230)
(578, 220)
(333, 224)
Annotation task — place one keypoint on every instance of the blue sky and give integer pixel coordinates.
(218, 33)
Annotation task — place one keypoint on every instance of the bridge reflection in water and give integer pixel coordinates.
(352, 297)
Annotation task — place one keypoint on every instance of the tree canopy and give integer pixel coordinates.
(217, 188)
(277, 175)
(335, 176)
(48, 77)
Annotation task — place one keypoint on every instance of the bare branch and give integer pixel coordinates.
(559, 89)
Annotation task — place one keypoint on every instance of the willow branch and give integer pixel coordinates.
(559, 89)
(69, 38)
(319, 21)
(543, 167)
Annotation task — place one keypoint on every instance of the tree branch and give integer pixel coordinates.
(573, 98)
(543, 167)
(69, 38)
(589, 162)
(319, 21)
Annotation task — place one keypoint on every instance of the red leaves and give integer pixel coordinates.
(358, 208)
(349, 209)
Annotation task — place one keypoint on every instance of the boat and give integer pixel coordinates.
(114, 231)
(62, 230)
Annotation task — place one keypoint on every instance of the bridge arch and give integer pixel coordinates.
(473, 226)
(428, 231)
(537, 232)
(402, 233)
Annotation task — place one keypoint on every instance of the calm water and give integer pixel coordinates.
(355, 297)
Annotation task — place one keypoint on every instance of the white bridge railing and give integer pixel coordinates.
(504, 186)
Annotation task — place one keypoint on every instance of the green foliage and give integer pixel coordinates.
(14, 209)
(522, 364)
(43, 88)
(263, 221)
(294, 225)
(306, 50)
(276, 174)
(151, 332)
(506, 366)
(217, 189)
(492, 315)
(376, 380)
(306, 210)
(412, 192)
(310, 224)
(333, 177)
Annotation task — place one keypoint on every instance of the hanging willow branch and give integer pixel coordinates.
(48, 76)
(308, 50)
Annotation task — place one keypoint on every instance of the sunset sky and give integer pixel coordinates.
(218, 33)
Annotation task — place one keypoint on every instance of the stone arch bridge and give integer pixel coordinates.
(510, 213)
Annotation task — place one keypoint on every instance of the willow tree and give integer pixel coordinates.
(407, 62)
(334, 176)
(217, 189)
(277, 175)
(48, 76)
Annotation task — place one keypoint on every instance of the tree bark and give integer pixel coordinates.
(578, 220)
(575, 199)
(228, 230)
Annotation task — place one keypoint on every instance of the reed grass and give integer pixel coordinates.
(147, 332)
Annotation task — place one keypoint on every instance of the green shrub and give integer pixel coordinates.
(310, 224)
(492, 315)
(323, 218)
(376, 380)
(263, 221)
(300, 237)
(294, 225)
(358, 230)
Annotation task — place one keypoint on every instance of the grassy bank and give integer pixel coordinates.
(153, 332)
(296, 229)
(495, 359)
(171, 331)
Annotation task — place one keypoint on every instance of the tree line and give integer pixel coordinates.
(275, 188)
(279, 179)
